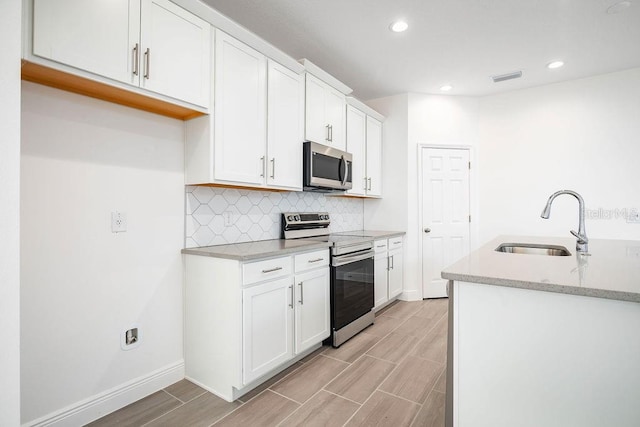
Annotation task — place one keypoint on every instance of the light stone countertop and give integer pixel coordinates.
(250, 251)
(611, 271)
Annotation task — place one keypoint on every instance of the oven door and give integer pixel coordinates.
(351, 288)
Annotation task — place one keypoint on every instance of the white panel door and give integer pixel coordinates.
(175, 52)
(381, 278)
(315, 127)
(356, 139)
(445, 214)
(95, 36)
(335, 112)
(374, 157)
(267, 338)
(240, 112)
(396, 273)
(312, 319)
(285, 127)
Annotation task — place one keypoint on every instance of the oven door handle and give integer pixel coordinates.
(348, 259)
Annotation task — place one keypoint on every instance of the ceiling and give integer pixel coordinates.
(457, 42)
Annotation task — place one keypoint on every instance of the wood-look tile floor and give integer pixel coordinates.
(391, 374)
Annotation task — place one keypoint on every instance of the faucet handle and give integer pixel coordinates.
(582, 238)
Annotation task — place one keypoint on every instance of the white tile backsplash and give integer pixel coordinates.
(216, 216)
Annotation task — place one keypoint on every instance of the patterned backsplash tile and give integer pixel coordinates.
(216, 216)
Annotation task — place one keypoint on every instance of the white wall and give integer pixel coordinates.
(413, 120)
(9, 213)
(580, 135)
(81, 284)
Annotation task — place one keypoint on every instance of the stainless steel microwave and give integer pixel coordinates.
(326, 169)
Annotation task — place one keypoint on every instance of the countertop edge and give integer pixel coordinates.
(545, 287)
(256, 256)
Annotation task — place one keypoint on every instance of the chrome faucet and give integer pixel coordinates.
(582, 244)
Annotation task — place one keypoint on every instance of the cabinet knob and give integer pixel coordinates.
(427, 230)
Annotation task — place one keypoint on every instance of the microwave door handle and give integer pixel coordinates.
(343, 162)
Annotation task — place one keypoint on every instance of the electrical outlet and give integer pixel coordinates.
(130, 338)
(228, 218)
(118, 222)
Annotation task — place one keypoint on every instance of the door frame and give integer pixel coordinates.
(473, 201)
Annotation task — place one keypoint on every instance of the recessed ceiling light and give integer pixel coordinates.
(555, 64)
(398, 26)
(446, 88)
(618, 7)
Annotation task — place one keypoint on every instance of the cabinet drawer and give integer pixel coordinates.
(395, 242)
(309, 260)
(266, 270)
(380, 245)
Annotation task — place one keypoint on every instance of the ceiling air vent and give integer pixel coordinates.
(503, 77)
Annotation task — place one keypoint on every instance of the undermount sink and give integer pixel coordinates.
(533, 249)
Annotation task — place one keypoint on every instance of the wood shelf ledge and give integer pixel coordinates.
(40, 74)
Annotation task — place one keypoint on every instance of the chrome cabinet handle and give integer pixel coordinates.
(147, 55)
(271, 270)
(380, 246)
(315, 260)
(136, 60)
(327, 138)
(331, 133)
(262, 163)
(301, 293)
(273, 168)
(393, 263)
(369, 179)
(291, 289)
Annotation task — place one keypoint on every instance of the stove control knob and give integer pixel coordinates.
(297, 217)
(290, 218)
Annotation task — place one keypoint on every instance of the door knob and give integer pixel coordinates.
(427, 230)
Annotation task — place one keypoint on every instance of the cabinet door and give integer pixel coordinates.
(356, 128)
(175, 52)
(335, 112)
(374, 157)
(316, 125)
(95, 36)
(395, 273)
(381, 279)
(267, 336)
(312, 308)
(285, 123)
(240, 112)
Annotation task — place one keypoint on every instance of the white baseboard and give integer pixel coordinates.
(97, 406)
(411, 295)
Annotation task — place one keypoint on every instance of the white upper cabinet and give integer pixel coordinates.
(152, 44)
(325, 113)
(374, 157)
(240, 112)
(254, 136)
(364, 142)
(175, 52)
(285, 123)
(98, 37)
(356, 139)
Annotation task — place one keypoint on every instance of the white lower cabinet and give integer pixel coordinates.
(312, 321)
(388, 270)
(244, 322)
(266, 327)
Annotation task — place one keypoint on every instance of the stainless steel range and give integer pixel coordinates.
(352, 273)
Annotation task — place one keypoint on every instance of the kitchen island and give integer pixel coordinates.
(537, 340)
